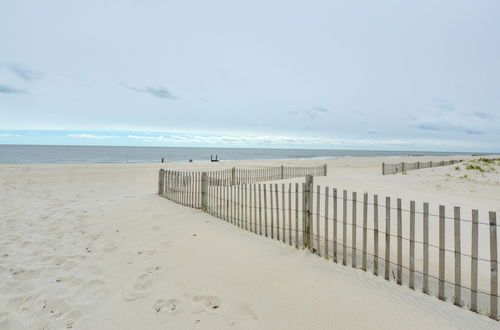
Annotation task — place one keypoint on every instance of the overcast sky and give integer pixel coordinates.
(417, 75)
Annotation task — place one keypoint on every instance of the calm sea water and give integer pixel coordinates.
(34, 154)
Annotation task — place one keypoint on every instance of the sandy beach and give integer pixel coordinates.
(92, 246)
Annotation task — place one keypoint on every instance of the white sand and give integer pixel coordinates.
(93, 247)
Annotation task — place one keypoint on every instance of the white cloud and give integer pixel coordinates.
(91, 136)
(8, 134)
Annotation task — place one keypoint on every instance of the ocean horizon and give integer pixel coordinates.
(67, 154)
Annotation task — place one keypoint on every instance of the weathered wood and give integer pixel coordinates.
(318, 192)
(308, 211)
(375, 235)
(260, 212)
(326, 222)
(255, 206)
(277, 211)
(246, 204)
(204, 187)
(334, 238)
(160, 182)
(251, 209)
(354, 230)
(271, 208)
(365, 230)
(296, 215)
(493, 266)
(442, 249)
(426, 248)
(474, 251)
(290, 214)
(412, 245)
(283, 212)
(387, 238)
(265, 211)
(458, 261)
(400, 242)
(344, 228)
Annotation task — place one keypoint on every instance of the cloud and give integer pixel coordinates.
(361, 113)
(438, 127)
(9, 135)
(445, 105)
(11, 90)
(160, 92)
(23, 72)
(270, 141)
(91, 136)
(483, 115)
(320, 109)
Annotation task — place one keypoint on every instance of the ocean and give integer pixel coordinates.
(35, 154)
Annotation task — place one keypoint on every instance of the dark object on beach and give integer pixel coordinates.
(190, 160)
(213, 160)
(162, 160)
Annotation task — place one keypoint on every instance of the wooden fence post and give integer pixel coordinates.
(387, 238)
(383, 168)
(426, 248)
(160, 182)
(412, 245)
(494, 266)
(308, 206)
(326, 223)
(282, 172)
(325, 170)
(442, 250)
(400, 242)
(354, 230)
(204, 187)
(474, 250)
(375, 234)
(365, 232)
(344, 228)
(233, 175)
(458, 264)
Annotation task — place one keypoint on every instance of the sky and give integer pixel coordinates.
(421, 75)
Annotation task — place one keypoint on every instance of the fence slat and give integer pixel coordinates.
(442, 248)
(387, 237)
(426, 249)
(375, 235)
(354, 230)
(290, 214)
(458, 263)
(335, 225)
(344, 228)
(277, 211)
(296, 215)
(265, 210)
(412, 246)
(318, 192)
(474, 249)
(365, 232)
(400, 242)
(326, 221)
(494, 266)
(283, 214)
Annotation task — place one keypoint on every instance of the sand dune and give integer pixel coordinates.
(92, 247)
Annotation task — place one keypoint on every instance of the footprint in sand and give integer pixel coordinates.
(141, 286)
(110, 248)
(209, 302)
(170, 305)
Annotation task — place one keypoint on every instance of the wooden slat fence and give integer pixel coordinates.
(446, 252)
(403, 167)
